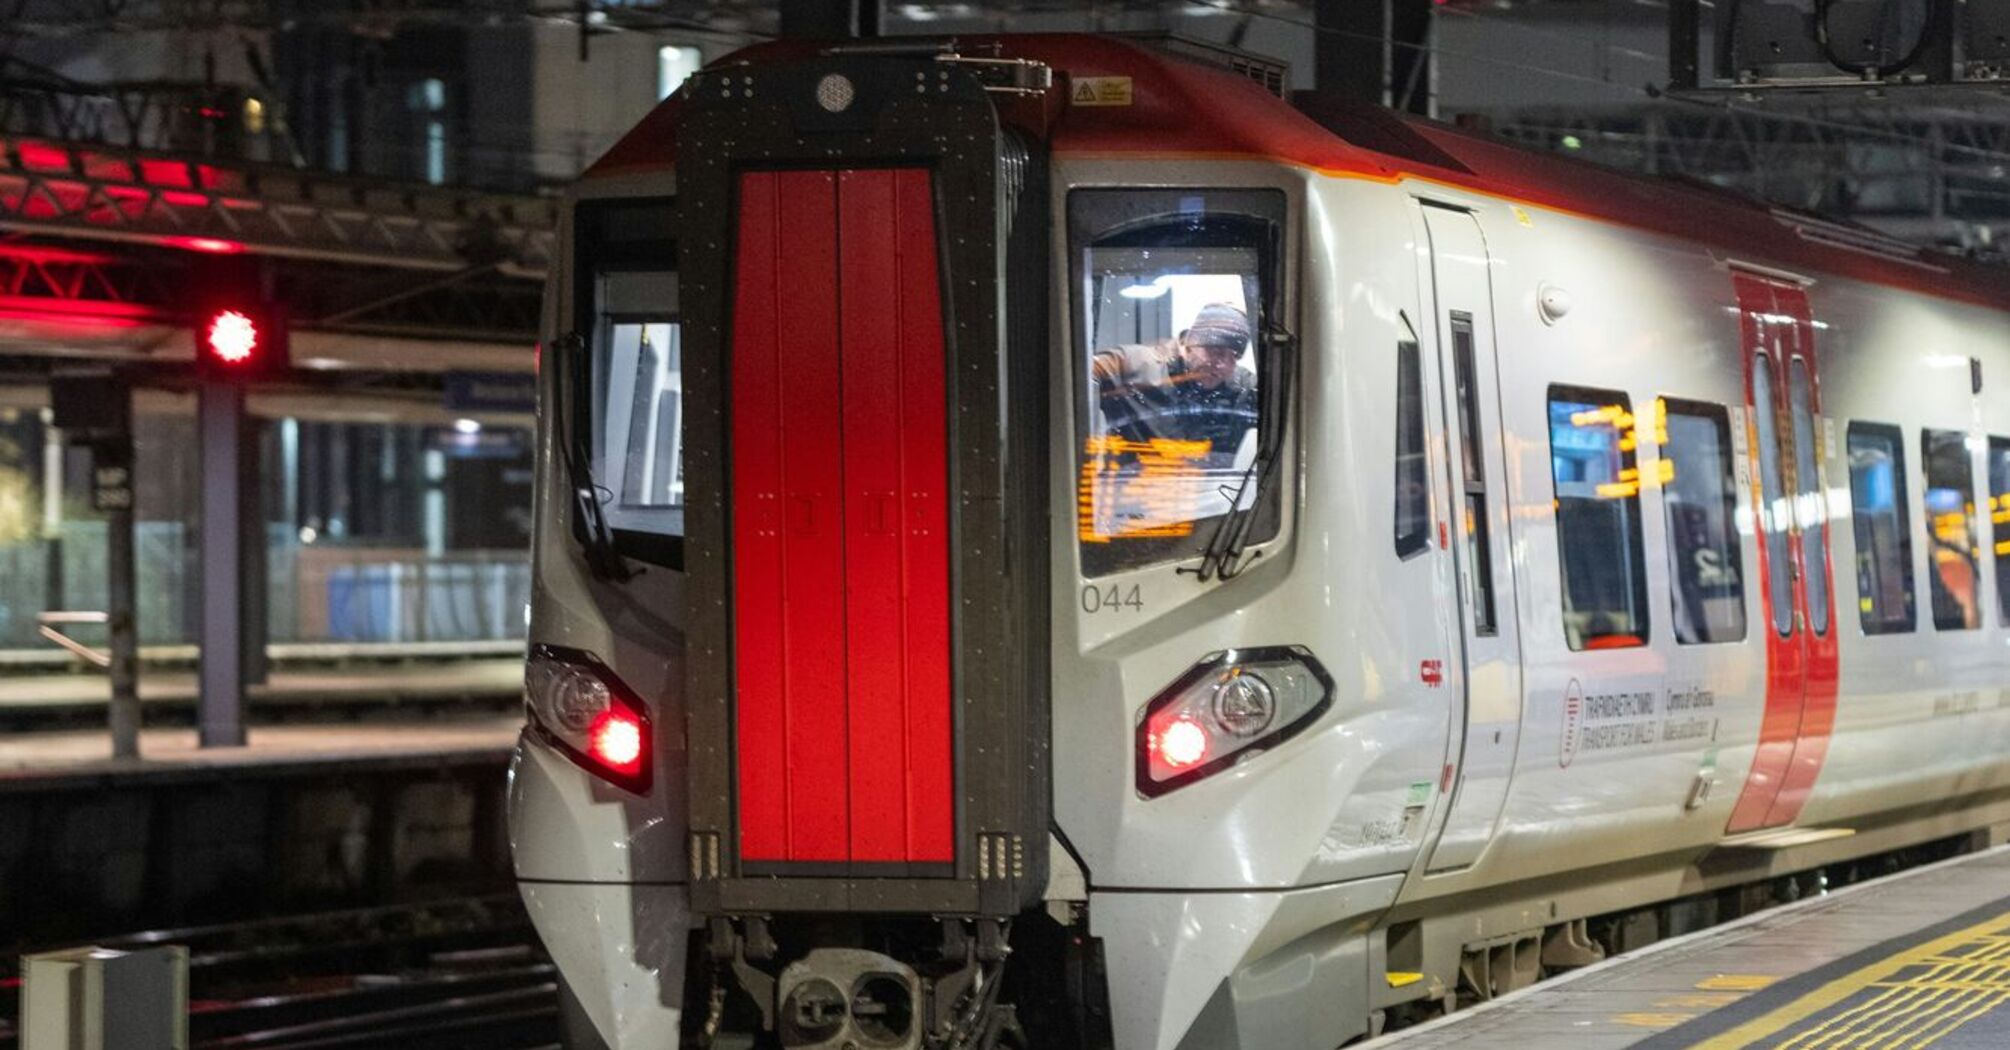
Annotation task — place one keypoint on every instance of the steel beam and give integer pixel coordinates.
(104, 194)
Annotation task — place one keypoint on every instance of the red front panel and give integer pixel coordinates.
(842, 621)
(788, 540)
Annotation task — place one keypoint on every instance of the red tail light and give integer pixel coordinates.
(1181, 744)
(580, 708)
(1225, 710)
(616, 740)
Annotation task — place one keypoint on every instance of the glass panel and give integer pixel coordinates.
(1775, 515)
(1883, 541)
(1999, 520)
(1171, 288)
(1479, 557)
(1810, 504)
(1954, 554)
(638, 402)
(1413, 495)
(1591, 443)
(1699, 490)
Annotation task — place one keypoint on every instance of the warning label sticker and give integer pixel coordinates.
(1100, 91)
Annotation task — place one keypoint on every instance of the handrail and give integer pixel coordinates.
(46, 624)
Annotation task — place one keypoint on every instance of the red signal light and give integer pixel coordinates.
(231, 337)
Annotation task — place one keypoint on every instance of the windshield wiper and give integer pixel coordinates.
(603, 558)
(1223, 558)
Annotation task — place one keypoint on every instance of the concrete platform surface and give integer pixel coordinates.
(32, 759)
(1916, 960)
(491, 676)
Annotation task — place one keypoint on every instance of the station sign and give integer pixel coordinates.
(490, 392)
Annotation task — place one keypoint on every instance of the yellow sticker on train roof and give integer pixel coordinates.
(1100, 91)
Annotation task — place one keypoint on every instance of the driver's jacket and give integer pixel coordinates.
(1145, 392)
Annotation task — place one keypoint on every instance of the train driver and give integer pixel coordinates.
(1191, 387)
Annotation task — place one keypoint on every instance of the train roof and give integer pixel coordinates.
(1183, 107)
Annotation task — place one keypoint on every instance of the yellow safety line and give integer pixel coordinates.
(1836, 991)
(1896, 1005)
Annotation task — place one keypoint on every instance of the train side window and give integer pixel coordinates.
(1479, 544)
(638, 401)
(1592, 437)
(1811, 503)
(1776, 506)
(1883, 539)
(1999, 520)
(1172, 290)
(1954, 554)
(1699, 491)
(1413, 495)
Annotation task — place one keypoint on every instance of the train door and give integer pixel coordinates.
(1490, 672)
(1789, 447)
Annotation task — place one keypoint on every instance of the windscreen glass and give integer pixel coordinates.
(638, 400)
(1170, 298)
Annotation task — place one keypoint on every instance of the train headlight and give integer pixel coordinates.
(581, 709)
(1244, 704)
(1229, 707)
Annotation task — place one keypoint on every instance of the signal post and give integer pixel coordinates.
(239, 339)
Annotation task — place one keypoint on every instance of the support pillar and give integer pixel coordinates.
(52, 512)
(228, 454)
(112, 491)
(1376, 51)
(830, 19)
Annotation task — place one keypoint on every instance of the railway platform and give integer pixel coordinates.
(1915, 960)
(303, 690)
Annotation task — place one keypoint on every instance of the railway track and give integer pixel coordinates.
(450, 974)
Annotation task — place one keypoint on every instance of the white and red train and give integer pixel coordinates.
(908, 674)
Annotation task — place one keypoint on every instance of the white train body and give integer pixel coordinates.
(1473, 786)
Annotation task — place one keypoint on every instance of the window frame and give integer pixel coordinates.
(1894, 438)
(1933, 581)
(1571, 393)
(1097, 215)
(1720, 415)
(1473, 501)
(595, 253)
(1413, 428)
(1999, 523)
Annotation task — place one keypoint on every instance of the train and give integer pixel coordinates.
(1048, 541)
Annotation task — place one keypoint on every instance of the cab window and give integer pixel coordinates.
(1172, 292)
(630, 411)
(638, 398)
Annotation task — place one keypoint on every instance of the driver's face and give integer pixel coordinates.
(1212, 364)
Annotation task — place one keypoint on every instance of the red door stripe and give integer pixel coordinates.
(1802, 668)
(1822, 664)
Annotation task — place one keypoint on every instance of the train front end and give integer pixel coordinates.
(791, 606)
(925, 651)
